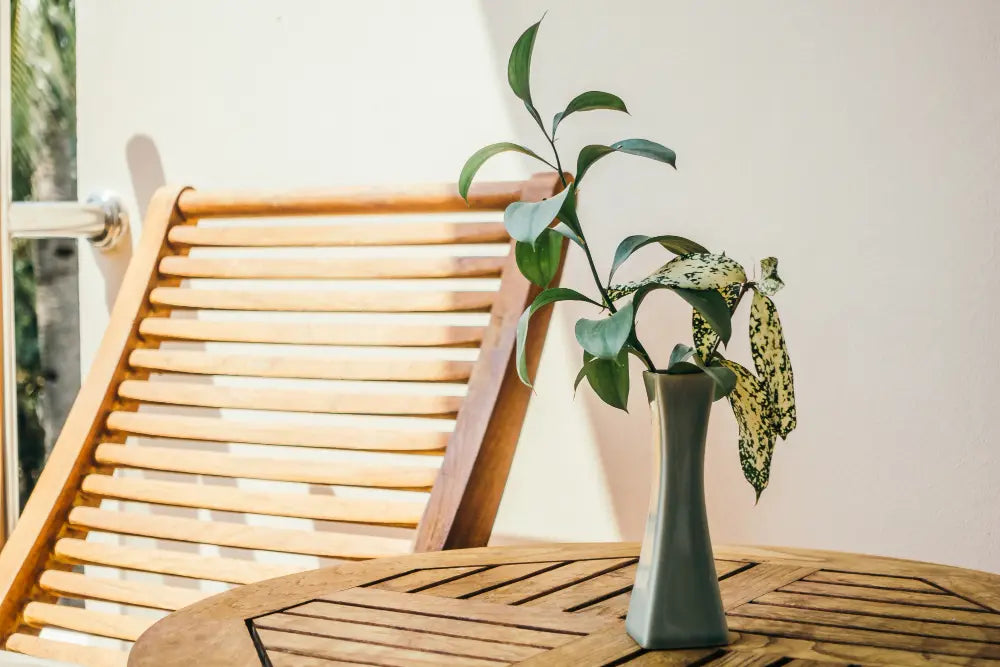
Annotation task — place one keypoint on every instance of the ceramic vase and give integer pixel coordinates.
(675, 602)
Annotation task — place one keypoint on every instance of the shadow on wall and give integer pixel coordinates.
(621, 441)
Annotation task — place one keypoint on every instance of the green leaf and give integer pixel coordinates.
(480, 157)
(697, 271)
(525, 221)
(770, 358)
(605, 338)
(681, 352)
(769, 283)
(724, 379)
(641, 147)
(589, 155)
(589, 101)
(609, 378)
(546, 297)
(648, 149)
(713, 309)
(567, 212)
(539, 262)
(519, 64)
(675, 244)
(565, 230)
(704, 335)
(756, 424)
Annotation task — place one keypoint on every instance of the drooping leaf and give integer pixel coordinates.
(703, 334)
(539, 262)
(770, 358)
(713, 309)
(480, 157)
(697, 271)
(548, 296)
(769, 283)
(589, 155)
(609, 378)
(684, 361)
(724, 379)
(755, 418)
(525, 221)
(605, 338)
(709, 303)
(589, 101)
(675, 244)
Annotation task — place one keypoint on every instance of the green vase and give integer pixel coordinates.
(675, 601)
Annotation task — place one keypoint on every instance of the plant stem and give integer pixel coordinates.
(590, 257)
(732, 311)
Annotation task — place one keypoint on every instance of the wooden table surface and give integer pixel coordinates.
(565, 604)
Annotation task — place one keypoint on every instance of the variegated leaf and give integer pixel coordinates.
(769, 283)
(770, 358)
(756, 421)
(704, 335)
(697, 271)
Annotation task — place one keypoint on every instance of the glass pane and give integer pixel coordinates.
(46, 296)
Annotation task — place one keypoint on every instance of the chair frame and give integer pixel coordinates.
(464, 500)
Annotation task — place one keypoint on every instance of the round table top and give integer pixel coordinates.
(565, 604)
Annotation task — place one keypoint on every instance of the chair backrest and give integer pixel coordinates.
(271, 396)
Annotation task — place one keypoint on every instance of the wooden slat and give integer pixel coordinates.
(451, 644)
(608, 646)
(488, 579)
(117, 626)
(781, 648)
(229, 499)
(323, 368)
(287, 400)
(881, 595)
(366, 653)
(154, 596)
(324, 301)
(264, 433)
(384, 234)
(430, 623)
(472, 610)
(675, 658)
(279, 659)
(421, 579)
(312, 543)
(548, 581)
(348, 201)
(90, 656)
(345, 473)
(311, 333)
(763, 578)
(588, 591)
(890, 609)
(231, 570)
(870, 622)
(916, 643)
(873, 580)
(339, 268)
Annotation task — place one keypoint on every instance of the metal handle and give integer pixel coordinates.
(102, 220)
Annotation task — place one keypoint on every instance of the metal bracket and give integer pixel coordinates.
(102, 220)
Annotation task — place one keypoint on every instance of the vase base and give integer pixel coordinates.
(653, 642)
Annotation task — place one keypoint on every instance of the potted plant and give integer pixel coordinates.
(675, 601)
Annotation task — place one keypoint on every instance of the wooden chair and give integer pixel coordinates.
(371, 419)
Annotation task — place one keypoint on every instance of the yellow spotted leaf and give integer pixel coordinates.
(697, 271)
(770, 358)
(704, 335)
(756, 421)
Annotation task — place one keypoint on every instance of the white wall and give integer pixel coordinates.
(857, 141)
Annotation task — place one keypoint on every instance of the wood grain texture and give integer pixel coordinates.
(94, 483)
(535, 606)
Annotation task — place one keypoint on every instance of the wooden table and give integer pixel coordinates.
(564, 605)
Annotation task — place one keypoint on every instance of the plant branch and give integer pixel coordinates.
(732, 311)
(608, 303)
